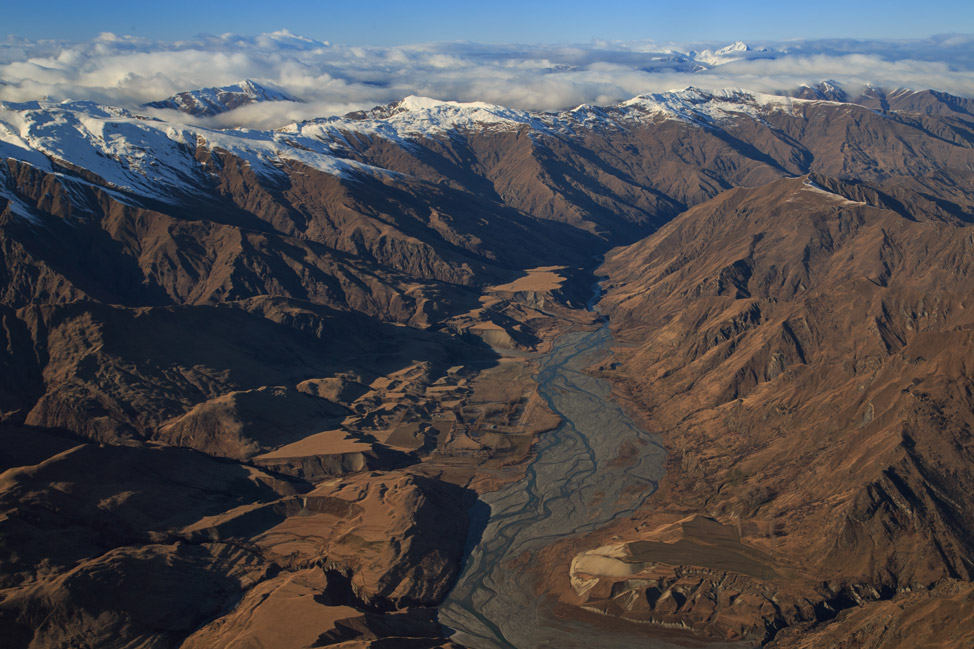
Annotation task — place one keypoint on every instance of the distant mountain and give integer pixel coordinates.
(208, 102)
(733, 52)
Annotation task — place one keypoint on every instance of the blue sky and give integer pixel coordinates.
(388, 22)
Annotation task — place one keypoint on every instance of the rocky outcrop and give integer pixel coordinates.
(693, 574)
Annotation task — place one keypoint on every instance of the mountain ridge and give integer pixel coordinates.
(744, 347)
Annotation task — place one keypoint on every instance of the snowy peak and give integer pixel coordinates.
(451, 114)
(733, 52)
(705, 106)
(208, 102)
(734, 48)
(415, 116)
(440, 112)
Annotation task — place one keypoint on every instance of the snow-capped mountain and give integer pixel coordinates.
(144, 157)
(207, 102)
(156, 159)
(733, 52)
(152, 158)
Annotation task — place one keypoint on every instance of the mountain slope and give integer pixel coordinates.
(803, 347)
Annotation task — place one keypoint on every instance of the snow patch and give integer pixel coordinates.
(415, 118)
(809, 185)
(695, 105)
(733, 52)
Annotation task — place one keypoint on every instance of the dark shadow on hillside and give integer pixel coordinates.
(168, 359)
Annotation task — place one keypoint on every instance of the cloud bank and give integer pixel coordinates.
(334, 79)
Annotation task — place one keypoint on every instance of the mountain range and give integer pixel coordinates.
(274, 371)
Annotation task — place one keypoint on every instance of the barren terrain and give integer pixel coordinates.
(335, 384)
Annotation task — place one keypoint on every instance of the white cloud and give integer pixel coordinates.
(333, 79)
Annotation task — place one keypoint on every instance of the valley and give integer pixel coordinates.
(595, 467)
(337, 384)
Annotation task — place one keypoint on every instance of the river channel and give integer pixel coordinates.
(575, 483)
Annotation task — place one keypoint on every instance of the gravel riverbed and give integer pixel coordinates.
(575, 483)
